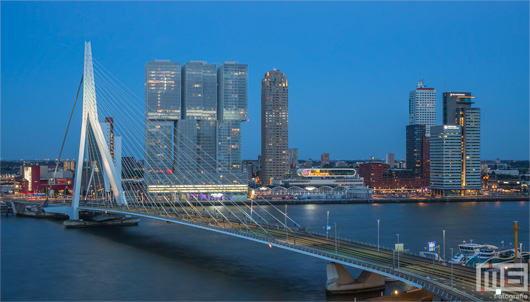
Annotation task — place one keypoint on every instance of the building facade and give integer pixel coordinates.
(232, 110)
(196, 135)
(415, 153)
(446, 159)
(162, 112)
(422, 107)
(389, 160)
(324, 159)
(458, 111)
(379, 177)
(274, 126)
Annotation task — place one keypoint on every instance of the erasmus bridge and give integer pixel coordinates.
(187, 194)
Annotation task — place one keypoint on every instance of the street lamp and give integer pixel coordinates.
(451, 267)
(395, 295)
(336, 242)
(327, 223)
(397, 251)
(444, 244)
(378, 234)
(286, 234)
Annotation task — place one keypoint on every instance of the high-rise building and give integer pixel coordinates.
(324, 159)
(390, 160)
(422, 107)
(232, 110)
(232, 92)
(274, 126)
(458, 110)
(162, 90)
(414, 149)
(196, 135)
(162, 111)
(446, 159)
(452, 101)
(199, 91)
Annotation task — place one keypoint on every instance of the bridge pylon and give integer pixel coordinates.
(98, 150)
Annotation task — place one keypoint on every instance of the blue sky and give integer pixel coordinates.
(350, 66)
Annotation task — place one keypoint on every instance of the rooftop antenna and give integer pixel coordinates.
(420, 83)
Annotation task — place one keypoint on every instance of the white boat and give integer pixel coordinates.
(472, 254)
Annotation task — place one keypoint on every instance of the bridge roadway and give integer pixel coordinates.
(413, 270)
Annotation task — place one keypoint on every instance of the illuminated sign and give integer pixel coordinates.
(457, 94)
(431, 246)
(451, 127)
(306, 172)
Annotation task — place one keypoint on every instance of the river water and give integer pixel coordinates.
(40, 260)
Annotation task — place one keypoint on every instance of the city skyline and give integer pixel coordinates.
(501, 73)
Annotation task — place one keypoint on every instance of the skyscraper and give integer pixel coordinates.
(459, 139)
(232, 110)
(422, 107)
(414, 147)
(446, 159)
(196, 135)
(274, 126)
(162, 110)
(162, 90)
(458, 110)
(451, 101)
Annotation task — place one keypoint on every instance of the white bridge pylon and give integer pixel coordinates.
(91, 126)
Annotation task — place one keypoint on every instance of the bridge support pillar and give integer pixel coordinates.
(341, 282)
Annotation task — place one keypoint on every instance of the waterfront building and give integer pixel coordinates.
(446, 160)
(36, 179)
(458, 111)
(162, 111)
(232, 110)
(274, 126)
(379, 177)
(422, 107)
(318, 177)
(196, 134)
(417, 156)
(469, 119)
(162, 90)
(324, 159)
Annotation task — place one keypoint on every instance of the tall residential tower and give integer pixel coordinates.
(274, 126)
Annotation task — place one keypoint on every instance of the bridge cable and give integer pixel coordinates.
(62, 146)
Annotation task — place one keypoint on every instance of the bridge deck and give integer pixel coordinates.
(413, 270)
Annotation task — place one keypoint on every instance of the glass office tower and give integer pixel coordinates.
(196, 137)
(162, 111)
(232, 110)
